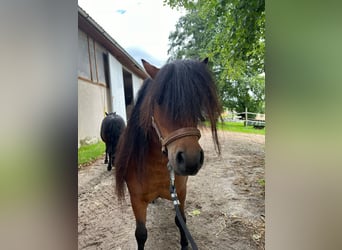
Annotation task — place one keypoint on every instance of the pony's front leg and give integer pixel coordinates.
(141, 235)
(139, 209)
(183, 241)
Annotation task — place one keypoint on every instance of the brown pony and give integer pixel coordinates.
(163, 129)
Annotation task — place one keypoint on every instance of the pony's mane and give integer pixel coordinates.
(133, 143)
(186, 91)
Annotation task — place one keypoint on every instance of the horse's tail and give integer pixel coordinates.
(117, 127)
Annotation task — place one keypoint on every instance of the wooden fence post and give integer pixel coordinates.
(246, 116)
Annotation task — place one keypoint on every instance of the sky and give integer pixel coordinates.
(141, 27)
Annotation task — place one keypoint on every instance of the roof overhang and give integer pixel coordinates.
(88, 25)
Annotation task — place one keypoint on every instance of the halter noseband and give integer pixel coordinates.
(175, 135)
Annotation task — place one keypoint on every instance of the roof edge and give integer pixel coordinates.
(91, 21)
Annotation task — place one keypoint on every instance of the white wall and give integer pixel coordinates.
(117, 90)
(137, 82)
(92, 103)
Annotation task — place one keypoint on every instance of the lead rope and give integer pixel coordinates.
(176, 203)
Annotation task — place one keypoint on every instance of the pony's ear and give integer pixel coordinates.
(106, 113)
(150, 69)
(205, 60)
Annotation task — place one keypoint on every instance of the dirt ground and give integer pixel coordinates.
(225, 203)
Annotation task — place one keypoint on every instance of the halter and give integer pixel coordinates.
(175, 135)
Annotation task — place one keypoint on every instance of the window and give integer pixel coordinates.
(92, 60)
(100, 54)
(83, 55)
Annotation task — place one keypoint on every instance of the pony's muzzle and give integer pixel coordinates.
(188, 163)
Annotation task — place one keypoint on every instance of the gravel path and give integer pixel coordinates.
(227, 196)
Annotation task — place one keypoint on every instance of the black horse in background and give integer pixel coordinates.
(111, 128)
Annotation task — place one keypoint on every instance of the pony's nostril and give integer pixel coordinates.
(201, 157)
(180, 158)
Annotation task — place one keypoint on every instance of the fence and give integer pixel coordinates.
(257, 122)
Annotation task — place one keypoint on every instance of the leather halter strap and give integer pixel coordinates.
(175, 135)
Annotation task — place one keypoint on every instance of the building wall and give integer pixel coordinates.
(137, 82)
(97, 93)
(94, 100)
(92, 104)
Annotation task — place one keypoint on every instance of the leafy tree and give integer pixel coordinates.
(244, 93)
(231, 33)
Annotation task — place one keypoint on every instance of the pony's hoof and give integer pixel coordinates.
(185, 248)
(106, 161)
(109, 168)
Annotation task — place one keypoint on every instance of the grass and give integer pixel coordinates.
(262, 182)
(89, 153)
(239, 127)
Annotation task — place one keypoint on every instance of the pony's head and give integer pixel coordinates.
(182, 95)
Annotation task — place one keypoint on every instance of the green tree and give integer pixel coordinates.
(244, 93)
(231, 33)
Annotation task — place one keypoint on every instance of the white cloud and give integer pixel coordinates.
(133, 23)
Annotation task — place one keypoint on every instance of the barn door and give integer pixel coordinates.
(128, 86)
(116, 86)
